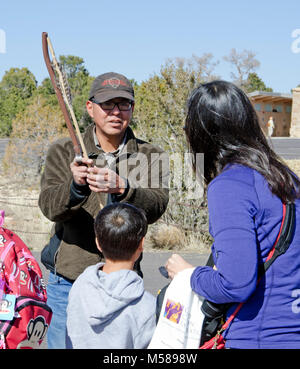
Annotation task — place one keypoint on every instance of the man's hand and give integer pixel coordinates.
(105, 180)
(80, 170)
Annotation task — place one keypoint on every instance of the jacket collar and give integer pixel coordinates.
(130, 144)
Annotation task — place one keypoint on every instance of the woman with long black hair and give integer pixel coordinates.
(247, 183)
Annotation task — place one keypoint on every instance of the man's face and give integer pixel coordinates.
(110, 123)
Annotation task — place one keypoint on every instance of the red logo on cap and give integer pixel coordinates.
(113, 82)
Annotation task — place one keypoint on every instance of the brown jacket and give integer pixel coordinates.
(72, 246)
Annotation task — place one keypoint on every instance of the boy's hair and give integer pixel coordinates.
(119, 229)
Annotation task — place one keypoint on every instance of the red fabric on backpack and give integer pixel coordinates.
(218, 341)
(21, 276)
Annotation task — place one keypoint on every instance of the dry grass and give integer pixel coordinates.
(167, 235)
(162, 236)
(23, 215)
(294, 165)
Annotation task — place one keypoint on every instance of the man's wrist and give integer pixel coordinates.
(121, 195)
(78, 193)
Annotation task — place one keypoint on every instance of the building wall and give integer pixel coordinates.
(282, 119)
(295, 124)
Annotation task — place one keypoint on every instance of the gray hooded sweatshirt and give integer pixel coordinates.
(109, 311)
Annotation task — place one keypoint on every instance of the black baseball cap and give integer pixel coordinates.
(110, 85)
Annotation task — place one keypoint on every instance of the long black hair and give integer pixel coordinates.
(222, 123)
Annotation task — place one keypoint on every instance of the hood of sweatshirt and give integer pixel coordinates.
(108, 293)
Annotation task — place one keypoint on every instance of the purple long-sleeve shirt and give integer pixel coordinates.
(244, 220)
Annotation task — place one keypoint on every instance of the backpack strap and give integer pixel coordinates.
(285, 235)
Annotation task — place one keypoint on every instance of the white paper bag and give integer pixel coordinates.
(181, 318)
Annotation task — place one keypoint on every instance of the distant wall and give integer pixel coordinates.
(295, 124)
(281, 113)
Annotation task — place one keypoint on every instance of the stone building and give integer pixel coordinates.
(276, 105)
(295, 123)
(283, 108)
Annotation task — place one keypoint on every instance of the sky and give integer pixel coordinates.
(136, 37)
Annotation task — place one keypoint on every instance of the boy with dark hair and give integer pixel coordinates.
(108, 307)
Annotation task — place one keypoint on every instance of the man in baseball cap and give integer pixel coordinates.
(110, 105)
(70, 190)
(110, 85)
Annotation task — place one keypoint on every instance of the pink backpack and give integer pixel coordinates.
(24, 313)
